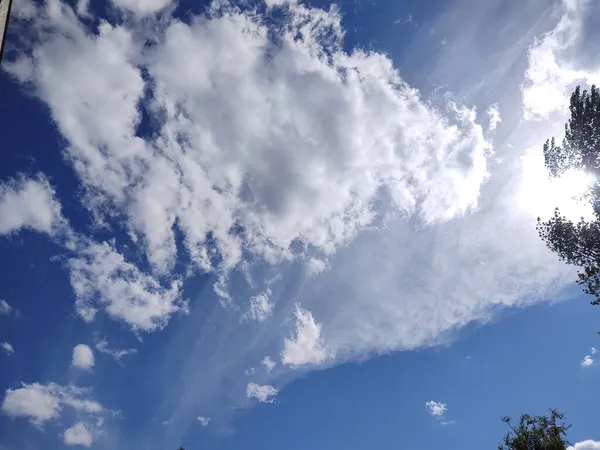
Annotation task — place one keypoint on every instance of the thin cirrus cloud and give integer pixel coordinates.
(322, 164)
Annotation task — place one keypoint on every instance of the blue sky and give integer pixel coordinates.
(280, 224)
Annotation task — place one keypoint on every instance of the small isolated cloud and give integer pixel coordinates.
(585, 445)
(261, 307)
(264, 394)
(404, 21)
(83, 357)
(306, 346)
(78, 434)
(5, 308)
(436, 409)
(28, 203)
(8, 349)
(41, 403)
(116, 353)
(204, 421)
(588, 360)
(268, 364)
(494, 117)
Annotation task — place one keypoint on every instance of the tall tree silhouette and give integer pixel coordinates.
(578, 243)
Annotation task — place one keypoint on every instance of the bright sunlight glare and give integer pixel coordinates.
(539, 195)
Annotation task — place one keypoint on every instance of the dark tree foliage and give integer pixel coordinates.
(578, 243)
(536, 433)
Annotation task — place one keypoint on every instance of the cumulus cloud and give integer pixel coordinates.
(5, 308)
(28, 203)
(83, 357)
(306, 346)
(251, 183)
(585, 445)
(8, 349)
(78, 434)
(102, 278)
(269, 152)
(42, 403)
(264, 394)
(436, 409)
(561, 59)
(116, 353)
(204, 421)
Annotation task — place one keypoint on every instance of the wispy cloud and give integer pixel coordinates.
(116, 353)
(5, 308)
(8, 348)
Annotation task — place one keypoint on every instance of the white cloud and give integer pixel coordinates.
(83, 357)
(78, 434)
(436, 409)
(142, 8)
(102, 278)
(5, 308)
(274, 152)
(41, 403)
(268, 364)
(261, 307)
(264, 394)
(494, 117)
(28, 203)
(306, 346)
(553, 72)
(588, 360)
(276, 3)
(116, 353)
(315, 266)
(8, 349)
(204, 421)
(585, 445)
(361, 132)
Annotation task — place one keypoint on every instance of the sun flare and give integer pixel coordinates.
(540, 195)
